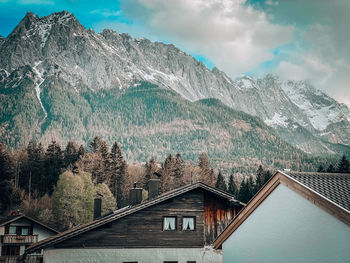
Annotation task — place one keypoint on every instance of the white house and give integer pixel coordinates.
(17, 232)
(295, 217)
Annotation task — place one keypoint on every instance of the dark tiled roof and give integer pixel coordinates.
(129, 210)
(333, 186)
(9, 219)
(4, 220)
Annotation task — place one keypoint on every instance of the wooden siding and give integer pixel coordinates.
(217, 215)
(145, 228)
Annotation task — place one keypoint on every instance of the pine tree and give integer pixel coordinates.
(118, 169)
(220, 182)
(331, 169)
(260, 178)
(151, 168)
(232, 187)
(81, 151)
(34, 174)
(95, 145)
(71, 154)
(52, 168)
(268, 175)
(244, 193)
(168, 173)
(321, 169)
(6, 175)
(343, 165)
(179, 171)
(207, 174)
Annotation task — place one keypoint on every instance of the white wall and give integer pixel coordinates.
(42, 232)
(288, 228)
(144, 255)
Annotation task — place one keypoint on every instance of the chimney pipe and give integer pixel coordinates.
(97, 208)
(153, 188)
(135, 195)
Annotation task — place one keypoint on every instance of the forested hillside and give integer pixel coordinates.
(149, 121)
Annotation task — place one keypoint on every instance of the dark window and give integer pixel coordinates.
(169, 223)
(13, 230)
(188, 223)
(25, 231)
(191, 261)
(10, 250)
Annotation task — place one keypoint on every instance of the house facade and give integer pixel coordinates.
(295, 217)
(17, 232)
(178, 226)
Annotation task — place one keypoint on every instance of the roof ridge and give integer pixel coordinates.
(104, 220)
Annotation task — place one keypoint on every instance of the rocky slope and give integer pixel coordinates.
(57, 52)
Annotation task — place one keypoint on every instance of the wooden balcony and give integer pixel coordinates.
(34, 259)
(18, 239)
(8, 259)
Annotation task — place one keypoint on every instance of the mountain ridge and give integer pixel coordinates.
(57, 51)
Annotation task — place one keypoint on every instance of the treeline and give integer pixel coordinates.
(58, 185)
(342, 166)
(249, 185)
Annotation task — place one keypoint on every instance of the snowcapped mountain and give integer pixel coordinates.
(57, 52)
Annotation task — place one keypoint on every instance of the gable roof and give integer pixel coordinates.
(333, 186)
(130, 210)
(13, 218)
(330, 192)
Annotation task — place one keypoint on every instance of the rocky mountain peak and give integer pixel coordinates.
(58, 48)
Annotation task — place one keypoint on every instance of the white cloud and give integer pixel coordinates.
(36, 2)
(106, 12)
(235, 37)
(326, 63)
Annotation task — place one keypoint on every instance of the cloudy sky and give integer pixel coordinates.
(294, 39)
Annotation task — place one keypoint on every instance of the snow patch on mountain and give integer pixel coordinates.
(37, 87)
(320, 109)
(277, 120)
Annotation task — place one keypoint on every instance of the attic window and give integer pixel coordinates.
(169, 223)
(188, 223)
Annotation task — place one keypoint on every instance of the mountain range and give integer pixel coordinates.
(60, 81)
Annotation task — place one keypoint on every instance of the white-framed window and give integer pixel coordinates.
(188, 223)
(169, 223)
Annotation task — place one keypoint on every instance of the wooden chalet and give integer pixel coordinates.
(177, 226)
(295, 217)
(18, 232)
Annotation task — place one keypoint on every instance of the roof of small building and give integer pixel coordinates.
(130, 210)
(329, 191)
(333, 186)
(12, 218)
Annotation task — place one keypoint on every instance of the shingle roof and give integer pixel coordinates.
(127, 211)
(333, 186)
(9, 219)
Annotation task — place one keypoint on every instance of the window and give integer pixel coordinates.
(25, 231)
(169, 223)
(188, 223)
(12, 230)
(191, 261)
(10, 250)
